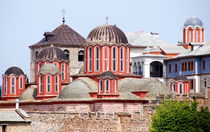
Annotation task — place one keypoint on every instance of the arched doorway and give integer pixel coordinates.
(156, 69)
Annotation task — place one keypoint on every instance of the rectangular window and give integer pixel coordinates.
(63, 71)
(90, 59)
(204, 64)
(56, 84)
(107, 85)
(192, 66)
(185, 66)
(101, 86)
(176, 68)
(182, 66)
(189, 66)
(169, 68)
(48, 83)
(121, 59)
(13, 86)
(97, 58)
(5, 86)
(41, 84)
(114, 58)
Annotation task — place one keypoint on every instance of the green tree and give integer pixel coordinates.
(203, 120)
(171, 116)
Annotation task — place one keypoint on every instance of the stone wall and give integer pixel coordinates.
(17, 127)
(90, 122)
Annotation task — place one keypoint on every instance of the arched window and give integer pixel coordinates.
(13, 85)
(97, 58)
(5, 86)
(205, 83)
(101, 86)
(36, 54)
(114, 58)
(90, 59)
(63, 71)
(56, 83)
(66, 53)
(156, 69)
(174, 88)
(48, 83)
(21, 82)
(115, 86)
(41, 84)
(190, 35)
(121, 58)
(39, 66)
(196, 34)
(81, 55)
(107, 85)
(180, 88)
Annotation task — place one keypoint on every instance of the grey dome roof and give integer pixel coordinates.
(79, 89)
(52, 53)
(49, 68)
(193, 22)
(29, 94)
(180, 77)
(108, 34)
(14, 70)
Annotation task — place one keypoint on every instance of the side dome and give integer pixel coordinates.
(52, 53)
(14, 70)
(193, 22)
(108, 34)
(49, 68)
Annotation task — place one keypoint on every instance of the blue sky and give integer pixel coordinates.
(23, 22)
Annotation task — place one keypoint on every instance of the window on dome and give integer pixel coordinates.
(81, 55)
(66, 52)
(121, 58)
(13, 85)
(86, 50)
(97, 58)
(48, 83)
(180, 88)
(101, 86)
(107, 85)
(114, 58)
(5, 86)
(196, 38)
(63, 71)
(21, 82)
(190, 36)
(90, 59)
(174, 88)
(41, 83)
(56, 83)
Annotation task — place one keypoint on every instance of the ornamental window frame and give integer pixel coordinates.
(114, 58)
(107, 86)
(181, 88)
(81, 55)
(90, 51)
(121, 59)
(97, 60)
(63, 73)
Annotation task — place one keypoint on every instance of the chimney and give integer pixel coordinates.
(192, 46)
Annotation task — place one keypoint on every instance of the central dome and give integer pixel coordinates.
(108, 34)
(193, 21)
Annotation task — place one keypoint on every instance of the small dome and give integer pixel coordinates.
(49, 68)
(14, 70)
(52, 53)
(79, 89)
(108, 34)
(193, 22)
(107, 74)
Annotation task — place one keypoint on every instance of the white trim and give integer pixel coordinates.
(114, 59)
(122, 59)
(115, 86)
(180, 84)
(90, 60)
(97, 59)
(63, 73)
(127, 60)
(107, 90)
(174, 84)
(103, 59)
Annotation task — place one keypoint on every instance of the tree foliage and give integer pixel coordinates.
(180, 116)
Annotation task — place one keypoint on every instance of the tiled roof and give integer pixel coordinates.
(14, 70)
(61, 36)
(143, 38)
(173, 49)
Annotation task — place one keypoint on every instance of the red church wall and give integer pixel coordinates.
(185, 87)
(17, 90)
